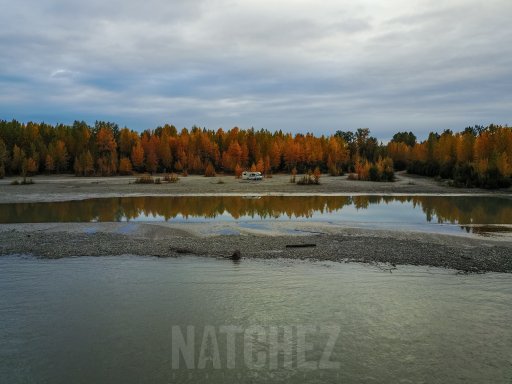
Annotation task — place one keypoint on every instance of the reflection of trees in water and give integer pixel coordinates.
(460, 209)
(466, 210)
(235, 206)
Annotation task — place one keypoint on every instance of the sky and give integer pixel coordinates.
(299, 66)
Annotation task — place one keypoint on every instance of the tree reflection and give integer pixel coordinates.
(463, 210)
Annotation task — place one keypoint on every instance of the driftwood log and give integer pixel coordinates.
(310, 245)
(236, 255)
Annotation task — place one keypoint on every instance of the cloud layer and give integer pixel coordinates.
(292, 65)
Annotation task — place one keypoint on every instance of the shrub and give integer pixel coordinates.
(172, 178)
(363, 170)
(493, 179)
(25, 181)
(429, 168)
(446, 171)
(382, 170)
(316, 175)
(400, 165)
(293, 175)
(373, 173)
(464, 175)
(305, 180)
(386, 169)
(145, 179)
(310, 178)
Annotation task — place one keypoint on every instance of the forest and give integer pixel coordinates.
(477, 156)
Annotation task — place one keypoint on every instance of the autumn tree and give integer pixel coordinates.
(18, 157)
(164, 151)
(275, 156)
(232, 156)
(125, 166)
(238, 171)
(337, 155)
(59, 154)
(29, 167)
(3, 158)
(80, 138)
(84, 164)
(137, 156)
(49, 163)
(209, 171)
(400, 152)
(477, 156)
(260, 166)
(151, 149)
(127, 140)
(107, 151)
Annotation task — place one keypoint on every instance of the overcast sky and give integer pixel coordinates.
(294, 65)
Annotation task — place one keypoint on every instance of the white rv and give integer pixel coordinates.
(246, 175)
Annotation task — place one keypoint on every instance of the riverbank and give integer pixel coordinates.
(383, 247)
(66, 187)
(220, 239)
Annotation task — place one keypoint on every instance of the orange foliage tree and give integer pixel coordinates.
(480, 156)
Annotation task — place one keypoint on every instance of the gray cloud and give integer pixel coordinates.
(291, 65)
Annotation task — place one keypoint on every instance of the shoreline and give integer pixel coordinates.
(371, 246)
(68, 188)
(396, 246)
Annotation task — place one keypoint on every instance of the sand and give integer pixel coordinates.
(61, 188)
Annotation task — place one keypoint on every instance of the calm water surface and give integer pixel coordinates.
(476, 214)
(110, 319)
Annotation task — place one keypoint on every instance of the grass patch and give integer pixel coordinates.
(146, 179)
(171, 178)
(308, 180)
(23, 182)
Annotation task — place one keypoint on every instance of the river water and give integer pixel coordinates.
(118, 319)
(478, 215)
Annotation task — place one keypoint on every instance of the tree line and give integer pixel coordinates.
(105, 149)
(480, 156)
(476, 157)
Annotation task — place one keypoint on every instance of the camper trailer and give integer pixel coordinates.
(252, 175)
